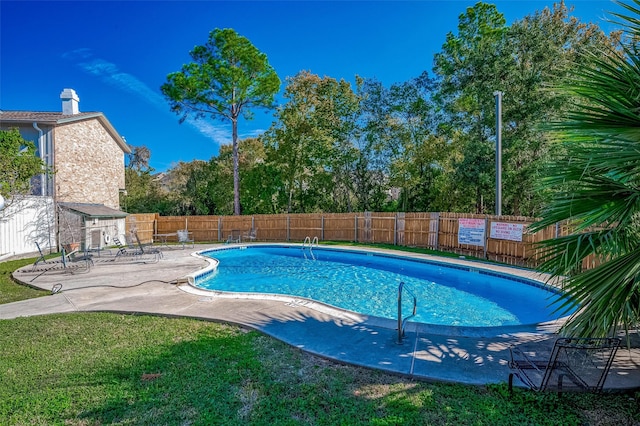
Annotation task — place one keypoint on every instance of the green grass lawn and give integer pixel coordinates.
(102, 368)
(10, 291)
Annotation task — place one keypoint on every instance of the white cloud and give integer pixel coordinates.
(109, 73)
(221, 135)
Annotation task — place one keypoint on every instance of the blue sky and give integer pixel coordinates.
(117, 54)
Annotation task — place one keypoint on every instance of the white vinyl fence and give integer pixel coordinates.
(25, 221)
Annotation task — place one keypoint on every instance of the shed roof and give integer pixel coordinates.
(58, 118)
(93, 210)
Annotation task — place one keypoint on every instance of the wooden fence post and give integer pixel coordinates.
(437, 231)
(395, 230)
(355, 227)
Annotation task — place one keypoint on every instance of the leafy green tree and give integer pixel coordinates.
(471, 67)
(144, 193)
(399, 127)
(188, 186)
(260, 180)
(18, 164)
(205, 187)
(544, 47)
(522, 61)
(596, 185)
(374, 144)
(228, 78)
(311, 146)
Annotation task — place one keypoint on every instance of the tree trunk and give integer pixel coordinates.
(236, 169)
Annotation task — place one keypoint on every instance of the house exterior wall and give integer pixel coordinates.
(26, 221)
(89, 164)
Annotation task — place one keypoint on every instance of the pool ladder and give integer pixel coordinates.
(403, 322)
(308, 242)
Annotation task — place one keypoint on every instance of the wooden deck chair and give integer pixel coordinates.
(575, 364)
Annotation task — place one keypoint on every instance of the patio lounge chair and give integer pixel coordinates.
(234, 237)
(64, 259)
(575, 364)
(146, 248)
(67, 262)
(122, 248)
(183, 237)
(250, 235)
(135, 253)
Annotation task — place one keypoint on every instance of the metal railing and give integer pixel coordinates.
(403, 322)
(308, 242)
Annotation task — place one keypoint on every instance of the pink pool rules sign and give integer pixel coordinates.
(471, 231)
(507, 231)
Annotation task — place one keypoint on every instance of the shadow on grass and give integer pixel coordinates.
(104, 368)
(197, 381)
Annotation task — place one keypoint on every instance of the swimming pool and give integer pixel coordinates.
(367, 283)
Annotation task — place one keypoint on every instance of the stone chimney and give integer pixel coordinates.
(69, 102)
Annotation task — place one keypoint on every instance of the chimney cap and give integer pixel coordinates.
(69, 94)
(70, 101)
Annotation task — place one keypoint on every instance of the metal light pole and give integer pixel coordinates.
(498, 96)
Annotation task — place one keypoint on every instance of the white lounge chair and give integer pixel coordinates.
(183, 237)
(250, 235)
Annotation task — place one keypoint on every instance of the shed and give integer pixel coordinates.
(89, 226)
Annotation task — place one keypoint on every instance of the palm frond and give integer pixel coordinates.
(596, 180)
(608, 296)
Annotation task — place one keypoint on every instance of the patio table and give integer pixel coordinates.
(162, 238)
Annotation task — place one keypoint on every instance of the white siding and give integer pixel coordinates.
(25, 222)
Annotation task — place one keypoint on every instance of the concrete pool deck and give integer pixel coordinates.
(427, 353)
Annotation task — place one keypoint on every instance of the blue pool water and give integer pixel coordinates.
(367, 283)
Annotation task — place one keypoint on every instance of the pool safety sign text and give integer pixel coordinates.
(471, 231)
(507, 231)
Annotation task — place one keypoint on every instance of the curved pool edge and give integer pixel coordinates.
(188, 285)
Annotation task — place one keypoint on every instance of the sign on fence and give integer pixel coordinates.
(506, 231)
(471, 231)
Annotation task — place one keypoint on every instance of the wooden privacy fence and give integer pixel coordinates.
(437, 231)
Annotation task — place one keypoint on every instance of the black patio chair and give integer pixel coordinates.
(147, 248)
(575, 364)
(73, 262)
(136, 254)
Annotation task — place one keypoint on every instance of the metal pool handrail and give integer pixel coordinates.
(311, 243)
(403, 322)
